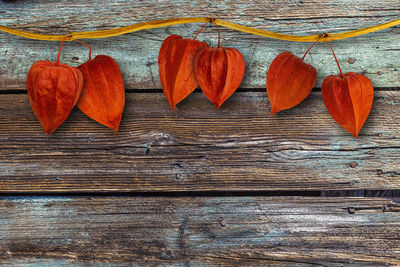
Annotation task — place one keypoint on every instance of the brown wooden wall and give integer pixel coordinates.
(199, 186)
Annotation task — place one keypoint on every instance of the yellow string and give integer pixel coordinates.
(168, 22)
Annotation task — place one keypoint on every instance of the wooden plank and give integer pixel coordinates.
(238, 147)
(242, 231)
(302, 16)
(375, 54)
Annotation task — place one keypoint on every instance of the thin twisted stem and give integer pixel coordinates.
(168, 22)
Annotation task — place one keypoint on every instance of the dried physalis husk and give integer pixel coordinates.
(103, 94)
(289, 80)
(53, 89)
(175, 67)
(348, 98)
(219, 71)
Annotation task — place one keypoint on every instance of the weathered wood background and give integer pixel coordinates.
(197, 186)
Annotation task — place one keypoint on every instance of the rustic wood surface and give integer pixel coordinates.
(374, 54)
(239, 147)
(195, 187)
(249, 231)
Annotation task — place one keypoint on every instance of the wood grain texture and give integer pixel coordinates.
(376, 55)
(99, 14)
(238, 147)
(248, 231)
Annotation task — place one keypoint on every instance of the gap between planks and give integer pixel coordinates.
(389, 194)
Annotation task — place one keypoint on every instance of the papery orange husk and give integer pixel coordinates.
(103, 94)
(219, 71)
(53, 90)
(289, 81)
(175, 67)
(348, 99)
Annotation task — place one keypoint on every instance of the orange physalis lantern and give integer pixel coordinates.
(348, 98)
(289, 81)
(219, 71)
(53, 90)
(103, 94)
(175, 67)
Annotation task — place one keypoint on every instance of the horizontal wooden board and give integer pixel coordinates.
(288, 16)
(375, 55)
(242, 231)
(238, 147)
